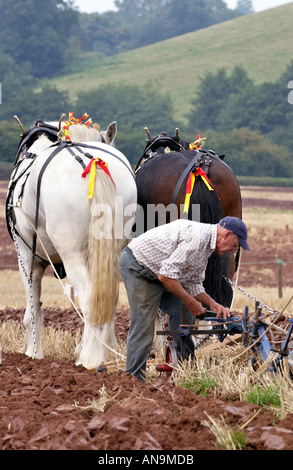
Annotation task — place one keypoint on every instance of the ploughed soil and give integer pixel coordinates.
(45, 404)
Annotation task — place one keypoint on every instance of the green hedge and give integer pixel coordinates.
(265, 181)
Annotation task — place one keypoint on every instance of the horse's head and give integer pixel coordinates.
(110, 134)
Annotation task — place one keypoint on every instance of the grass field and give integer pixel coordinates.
(258, 217)
(260, 42)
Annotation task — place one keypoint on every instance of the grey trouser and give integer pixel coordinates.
(146, 295)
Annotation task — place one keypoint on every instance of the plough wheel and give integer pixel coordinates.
(171, 361)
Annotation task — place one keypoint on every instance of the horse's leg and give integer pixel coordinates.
(34, 315)
(95, 345)
(92, 350)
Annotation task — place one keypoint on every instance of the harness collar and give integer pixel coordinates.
(31, 135)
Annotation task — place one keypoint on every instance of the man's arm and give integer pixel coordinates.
(194, 304)
(172, 285)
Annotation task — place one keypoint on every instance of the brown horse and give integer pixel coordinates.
(162, 176)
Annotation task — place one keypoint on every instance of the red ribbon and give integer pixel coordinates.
(199, 172)
(91, 169)
(101, 164)
(202, 173)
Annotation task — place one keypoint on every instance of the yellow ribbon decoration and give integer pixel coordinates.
(189, 192)
(92, 181)
(190, 184)
(91, 169)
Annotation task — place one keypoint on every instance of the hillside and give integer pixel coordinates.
(260, 42)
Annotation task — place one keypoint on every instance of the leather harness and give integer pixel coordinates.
(50, 131)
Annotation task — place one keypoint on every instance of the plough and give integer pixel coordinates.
(252, 330)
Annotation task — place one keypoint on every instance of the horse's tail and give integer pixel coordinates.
(103, 252)
(211, 212)
(209, 203)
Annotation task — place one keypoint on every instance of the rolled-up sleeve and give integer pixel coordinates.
(194, 288)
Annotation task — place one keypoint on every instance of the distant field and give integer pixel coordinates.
(267, 208)
(273, 194)
(260, 42)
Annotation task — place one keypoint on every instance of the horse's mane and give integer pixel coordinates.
(82, 133)
(79, 132)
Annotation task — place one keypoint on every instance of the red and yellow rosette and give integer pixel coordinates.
(73, 121)
(190, 184)
(91, 170)
(198, 143)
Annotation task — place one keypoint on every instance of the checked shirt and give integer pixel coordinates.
(178, 250)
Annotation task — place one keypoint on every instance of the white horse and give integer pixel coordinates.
(50, 200)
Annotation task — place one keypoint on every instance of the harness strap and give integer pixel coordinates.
(194, 162)
(153, 145)
(60, 147)
(47, 129)
(9, 196)
(78, 144)
(164, 140)
(77, 157)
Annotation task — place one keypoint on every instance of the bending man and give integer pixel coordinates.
(167, 264)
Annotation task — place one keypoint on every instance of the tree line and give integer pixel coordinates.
(43, 36)
(249, 122)
(137, 23)
(252, 123)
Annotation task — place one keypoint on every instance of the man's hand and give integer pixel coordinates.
(195, 307)
(221, 311)
(205, 299)
(173, 286)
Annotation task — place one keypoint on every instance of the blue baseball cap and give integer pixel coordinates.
(238, 227)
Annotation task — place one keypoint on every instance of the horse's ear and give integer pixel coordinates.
(111, 132)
